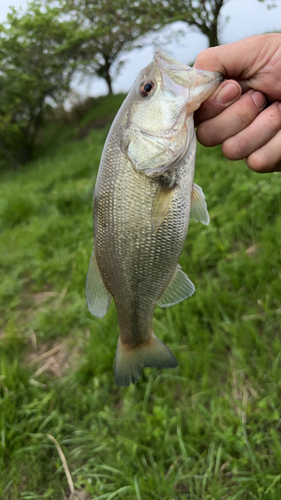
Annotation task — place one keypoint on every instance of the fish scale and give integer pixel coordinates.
(141, 215)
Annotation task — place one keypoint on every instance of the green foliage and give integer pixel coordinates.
(35, 70)
(41, 49)
(105, 30)
(209, 429)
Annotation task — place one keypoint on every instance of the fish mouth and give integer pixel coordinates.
(167, 63)
(178, 78)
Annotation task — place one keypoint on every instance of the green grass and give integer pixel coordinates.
(210, 429)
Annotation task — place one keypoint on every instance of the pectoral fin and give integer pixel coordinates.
(179, 289)
(98, 298)
(199, 211)
(160, 206)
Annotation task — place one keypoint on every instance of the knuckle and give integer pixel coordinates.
(202, 57)
(246, 112)
(243, 120)
(234, 147)
(204, 135)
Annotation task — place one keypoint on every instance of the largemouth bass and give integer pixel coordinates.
(143, 199)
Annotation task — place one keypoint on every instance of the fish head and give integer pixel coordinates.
(159, 119)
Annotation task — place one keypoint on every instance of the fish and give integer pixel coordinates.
(143, 199)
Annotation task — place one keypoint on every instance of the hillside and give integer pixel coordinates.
(209, 429)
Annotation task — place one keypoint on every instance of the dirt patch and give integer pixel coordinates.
(55, 360)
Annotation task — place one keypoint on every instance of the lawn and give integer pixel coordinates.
(209, 429)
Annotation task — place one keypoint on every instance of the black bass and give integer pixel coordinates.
(143, 199)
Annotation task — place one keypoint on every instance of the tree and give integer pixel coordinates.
(106, 29)
(270, 4)
(204, 15)
(35, 71)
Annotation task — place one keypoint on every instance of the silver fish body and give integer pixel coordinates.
(142, 204)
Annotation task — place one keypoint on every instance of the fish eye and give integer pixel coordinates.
(146, 88)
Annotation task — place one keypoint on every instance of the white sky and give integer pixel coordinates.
(245, 18)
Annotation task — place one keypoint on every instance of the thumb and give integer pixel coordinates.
(233, 60)
(228, 92)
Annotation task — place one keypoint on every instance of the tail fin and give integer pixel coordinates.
(130, 360)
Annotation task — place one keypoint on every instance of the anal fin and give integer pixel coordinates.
(98, 297)
(179, 288)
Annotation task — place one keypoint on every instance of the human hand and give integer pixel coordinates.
(244, 113)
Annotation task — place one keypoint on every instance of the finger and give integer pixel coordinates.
(228, 92)
(232, 120)
(262, 129)
(237, 60)
(268, 157)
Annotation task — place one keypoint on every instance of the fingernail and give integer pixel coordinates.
(228, 93)
(259, 100)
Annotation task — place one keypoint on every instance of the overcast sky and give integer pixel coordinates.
(245, 18)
